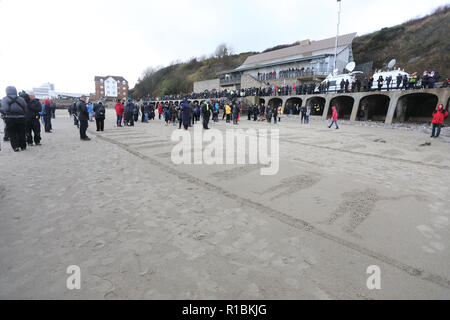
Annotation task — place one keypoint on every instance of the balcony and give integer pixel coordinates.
(229, 81)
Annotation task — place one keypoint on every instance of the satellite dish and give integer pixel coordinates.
(392, 63)
(350, 66)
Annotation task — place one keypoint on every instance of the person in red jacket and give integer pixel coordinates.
(119, 113)
(160, 111)
(439, 116)
(334, 118)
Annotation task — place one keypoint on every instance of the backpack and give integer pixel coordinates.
(14, 100)
(101, 110)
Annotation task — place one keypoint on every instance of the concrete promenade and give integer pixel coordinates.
(390, 106)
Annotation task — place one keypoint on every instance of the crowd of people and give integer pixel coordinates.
(22, 114)
(287, 73)
(184, 114)
(366, 84)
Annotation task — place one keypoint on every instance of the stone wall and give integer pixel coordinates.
(249, 82)
(201, 86)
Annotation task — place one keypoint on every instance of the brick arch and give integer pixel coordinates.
(290, 103)
(375, 107)
(416, 107)
(344, 105)
(321, 101)
(275, 102)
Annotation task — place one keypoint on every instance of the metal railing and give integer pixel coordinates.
(229, 80)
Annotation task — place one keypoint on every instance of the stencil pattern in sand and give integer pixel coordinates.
(235, 172)
(358, 205)
(293, 184)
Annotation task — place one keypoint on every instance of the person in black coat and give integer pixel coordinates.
(342, 84)
(370, 84)
(13, 109)
(47, 114)
(206, 112)
(74, 113)
(32, 120)
(405, 82)
(358, 85)
(53, 109)
(83, 118)
(399, 81)
(186, 114)
(99, 110)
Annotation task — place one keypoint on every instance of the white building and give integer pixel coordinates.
(111, 87)
(45, 91)
(314, 59)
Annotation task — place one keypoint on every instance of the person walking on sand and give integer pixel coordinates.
(14, 108)
(439, 115)
(334, 118)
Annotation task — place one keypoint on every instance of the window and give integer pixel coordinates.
(101, 87)
(101, 80)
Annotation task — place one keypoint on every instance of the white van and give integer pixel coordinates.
(385, 74)
(335, 80)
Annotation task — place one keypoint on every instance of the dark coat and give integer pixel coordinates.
(34, 107)
(185, 112)
(100, 111)
(206, 110)
(83, 113)
(13, 106)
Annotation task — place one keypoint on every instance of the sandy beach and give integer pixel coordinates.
(140, 227)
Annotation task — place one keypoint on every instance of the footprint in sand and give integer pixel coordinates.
(392, 152)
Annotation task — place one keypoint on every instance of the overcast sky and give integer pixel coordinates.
(68, 42)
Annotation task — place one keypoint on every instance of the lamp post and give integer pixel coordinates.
(337, 35)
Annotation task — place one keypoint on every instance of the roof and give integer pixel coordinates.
(97, 78)
(273, 63)
(305, 49)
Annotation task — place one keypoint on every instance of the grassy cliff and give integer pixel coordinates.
(180, 78)
(418, 45)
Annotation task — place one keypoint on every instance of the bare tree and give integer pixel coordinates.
(223, 50)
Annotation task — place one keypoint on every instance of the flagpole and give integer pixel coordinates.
(337, 34)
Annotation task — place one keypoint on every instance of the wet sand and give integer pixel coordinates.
(140, 227)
